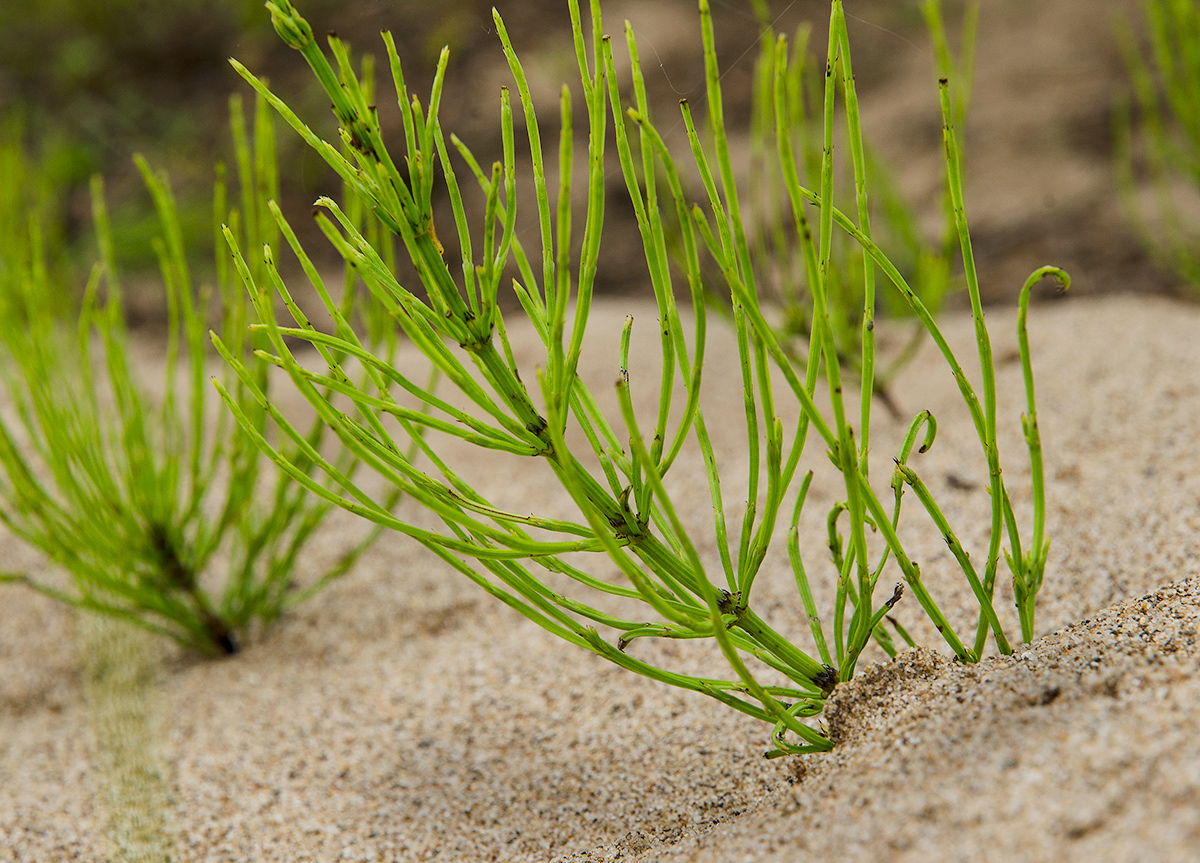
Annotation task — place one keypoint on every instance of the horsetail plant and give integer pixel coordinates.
(624, 514)
(137, 502)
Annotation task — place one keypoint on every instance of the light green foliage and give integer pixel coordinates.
(139, 501)
(1166, 140)
(27, 195)
(618, 481)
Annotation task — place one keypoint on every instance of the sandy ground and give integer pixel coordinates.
(403, 716)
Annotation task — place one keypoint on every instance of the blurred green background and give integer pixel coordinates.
(85, 84)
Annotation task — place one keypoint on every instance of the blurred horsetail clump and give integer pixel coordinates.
(158, 510)
(1161, 150)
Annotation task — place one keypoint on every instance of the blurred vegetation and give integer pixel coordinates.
(1158, 136)
(87, 84)
(108, 73)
